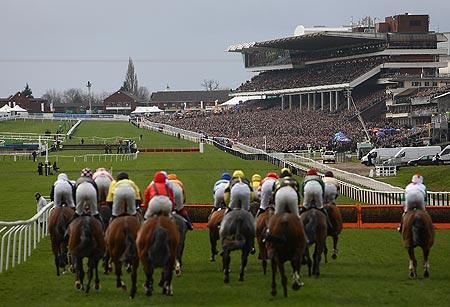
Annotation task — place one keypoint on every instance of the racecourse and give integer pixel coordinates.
(372, 267)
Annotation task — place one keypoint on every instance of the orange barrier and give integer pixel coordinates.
(354, 216)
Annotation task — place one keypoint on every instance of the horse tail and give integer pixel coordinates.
(159, 252)
(419, 231)
(87, 241)
(311, 227)
(61, 226)
(236, 240)
(130, 252)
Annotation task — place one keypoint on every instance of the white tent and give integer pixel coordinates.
(239, 99)
(6, 108)
(19, 109)
(147, 110)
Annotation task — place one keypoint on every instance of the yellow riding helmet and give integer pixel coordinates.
(238, 173)
(285, 172)
(256, 177)
(172, 177)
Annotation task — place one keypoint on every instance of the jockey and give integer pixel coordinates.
(256, 184)
(331, 188)
(266, 189)
(103, 180)
(286, 193)
(316, 197)
(63, 191)
(159, 196)
(218, 191)
(86, 194)
(238, 193)
(415, 196)
(179, 196)
(123, 191)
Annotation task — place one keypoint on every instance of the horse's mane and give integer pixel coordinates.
(159, 251)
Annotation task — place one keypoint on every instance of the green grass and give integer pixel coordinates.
(33, 125)
(371, 270)
(436, 178)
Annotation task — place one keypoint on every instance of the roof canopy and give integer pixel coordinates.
(17, 108)
(238, 99)
(144, 110)
(6, 108)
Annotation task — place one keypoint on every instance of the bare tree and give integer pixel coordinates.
(143, 94)
(53, 96)
(74, 95)
(210, 84)
(131, 82)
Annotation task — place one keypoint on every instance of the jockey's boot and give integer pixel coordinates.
(214, 209)
(228, 210)
(330, 226)
(183, 212)
(400, 227)
(260, 211)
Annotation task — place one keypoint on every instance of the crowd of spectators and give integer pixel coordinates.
(432, 91)
(312, 75)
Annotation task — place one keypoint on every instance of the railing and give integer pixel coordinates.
(19, 238)
(385, 170)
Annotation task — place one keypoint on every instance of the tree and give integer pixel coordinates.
(143, 94)
(53, 96)
(27, 91)
(131, 82)
(210, 84)
(74, 95)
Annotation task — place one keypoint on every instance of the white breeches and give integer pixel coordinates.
(124, 200)
(330, 193)
(266, 194)
(103, 184)
(219, 200)
(178, 196)
(86, 196)
(286, 200)
(414, 199)
(63, 194)
(159, 204)
(240, 196)
(313, 195)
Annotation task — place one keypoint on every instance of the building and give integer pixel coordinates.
(120, 102)
(172, 101)
(77, 108)
(31, 104)
(323, 69)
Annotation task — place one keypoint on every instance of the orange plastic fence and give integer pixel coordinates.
(157, 150)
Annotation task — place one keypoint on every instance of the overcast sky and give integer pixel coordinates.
(61, 44)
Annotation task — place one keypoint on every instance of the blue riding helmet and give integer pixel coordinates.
(226, 176)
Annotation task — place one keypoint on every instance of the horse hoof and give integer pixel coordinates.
(97, 287)
(124, 288)
(226, 279)
(412, 275)
(241, 278)
(334, 256)
(211, 259)
(426, 274)
(178, 273)
(297, 285)
(78, 285)
(274, 293)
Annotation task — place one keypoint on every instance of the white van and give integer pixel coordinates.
(444, 155)
(378, 155)
(409, 153)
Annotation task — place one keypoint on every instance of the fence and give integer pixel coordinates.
(99, 157)
(19, 238)
(384, 170)
(362, 189)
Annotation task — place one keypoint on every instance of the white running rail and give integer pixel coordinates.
(19, 238)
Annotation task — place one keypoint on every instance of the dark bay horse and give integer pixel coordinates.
(237, 231)
(285, 241)
(335, 217)
(157, 243)
(262, 221)
(121, 246)
(57, 227)
(86, 240)
(418, 230)
(182, 229)
(315, 224)
(214, 220)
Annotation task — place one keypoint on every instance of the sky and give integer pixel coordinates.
(61, 44)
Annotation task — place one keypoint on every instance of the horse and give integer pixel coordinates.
(157, 243)
(86, 240)
(180, 222)
(214, 220)
(418, 230)
(57, 227)
(315, 224)
(335, 230)
(121, 246)
(285, 241)
(237, 231)
(262, 221)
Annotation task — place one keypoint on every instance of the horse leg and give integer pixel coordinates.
(325, 252)
(412, 263)
(274, 275)
(335, 250)
(57, 263)
(318, 250)
(118, 269)
(97, 280)
(426, 264)
(91, 264)
(296, 263)
(78, 266)
(244, 258)
(226, 266)
(307, 256)
(213, 243)
(106, 265)
(148, 286)
(134, 268)
(283, 277)
(167, 286)
(179, 262)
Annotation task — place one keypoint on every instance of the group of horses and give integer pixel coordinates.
(281, 237)
(126, 241)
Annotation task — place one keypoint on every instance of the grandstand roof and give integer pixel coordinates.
(313, 41)
(190, 96)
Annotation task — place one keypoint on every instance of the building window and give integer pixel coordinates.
(427, 83)
(415, 23)
(415, 83)
(434, 83)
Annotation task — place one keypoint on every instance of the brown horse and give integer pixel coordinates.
(180, 222)
(157, 243)
(262, 221)
(86, 240)
(57, 227)
(237, 231)
(285, 241)
(335, 217)
(418, 230)
(121, 246)
(214, 220)
(315, 223)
